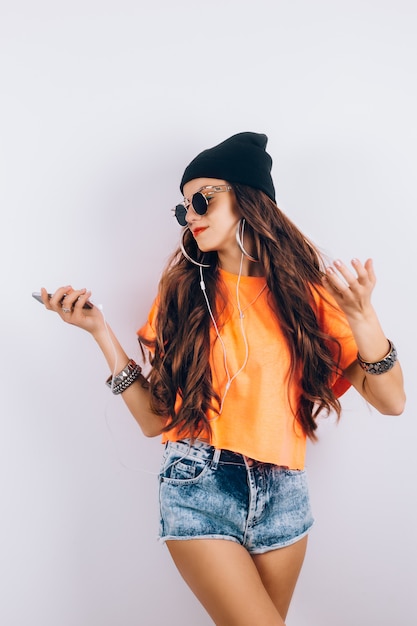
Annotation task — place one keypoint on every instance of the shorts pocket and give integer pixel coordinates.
(183, 470)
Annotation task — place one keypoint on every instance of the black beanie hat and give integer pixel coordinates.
(240, 159)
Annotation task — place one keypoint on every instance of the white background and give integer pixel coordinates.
(102, 106)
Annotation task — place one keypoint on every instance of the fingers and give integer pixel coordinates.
(369, 266)
(66, 300)
(342, 280)
(45, 297)
(53, 302)
(82, 302)
(74, 301)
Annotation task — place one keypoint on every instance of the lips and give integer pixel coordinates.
(197, 231)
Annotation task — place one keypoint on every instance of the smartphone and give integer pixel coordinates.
(37, 296)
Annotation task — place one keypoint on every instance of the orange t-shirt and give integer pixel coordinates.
(256, 418)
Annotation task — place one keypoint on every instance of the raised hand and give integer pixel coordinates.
(352, 291)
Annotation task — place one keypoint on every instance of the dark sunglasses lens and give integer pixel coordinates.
(199, 203)
(180, 213)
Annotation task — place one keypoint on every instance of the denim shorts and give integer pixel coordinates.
(207, 493)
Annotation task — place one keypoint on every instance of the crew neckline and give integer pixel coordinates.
(234, 277)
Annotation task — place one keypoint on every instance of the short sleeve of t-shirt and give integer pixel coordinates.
(148, 330)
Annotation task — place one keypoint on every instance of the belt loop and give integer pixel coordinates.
(216, 458)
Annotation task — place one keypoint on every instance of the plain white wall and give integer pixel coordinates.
(102, 105)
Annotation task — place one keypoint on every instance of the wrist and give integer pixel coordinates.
(105, 338)
(366, 315)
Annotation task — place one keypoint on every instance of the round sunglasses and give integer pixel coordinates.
(199, 201)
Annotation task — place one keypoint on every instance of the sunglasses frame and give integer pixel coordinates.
(180, 210)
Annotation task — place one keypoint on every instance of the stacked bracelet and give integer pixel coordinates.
(382, 366)
(125, 378)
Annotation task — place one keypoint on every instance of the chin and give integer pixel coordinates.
(203, 248)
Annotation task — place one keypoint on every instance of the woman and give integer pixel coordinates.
(250, 338)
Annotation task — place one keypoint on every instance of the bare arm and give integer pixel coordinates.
(385, 392)
(70, 309)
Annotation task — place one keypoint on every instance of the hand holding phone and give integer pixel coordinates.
(38, 297)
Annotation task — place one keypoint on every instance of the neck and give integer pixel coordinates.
(231, 262)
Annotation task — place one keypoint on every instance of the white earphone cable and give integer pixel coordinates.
(229, 378)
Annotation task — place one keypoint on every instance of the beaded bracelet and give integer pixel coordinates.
(382, 366)
(125, 378)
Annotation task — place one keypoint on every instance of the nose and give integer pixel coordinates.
(191, 216)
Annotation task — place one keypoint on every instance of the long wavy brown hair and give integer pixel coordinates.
(293, 268)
